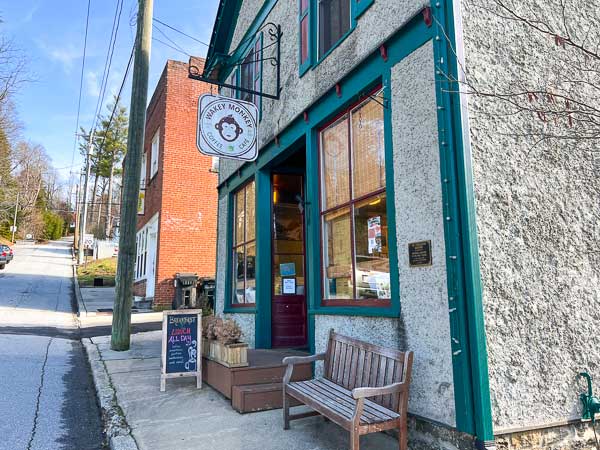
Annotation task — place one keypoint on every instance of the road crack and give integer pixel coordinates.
(39, 396)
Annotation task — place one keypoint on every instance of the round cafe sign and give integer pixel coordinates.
(227, 127)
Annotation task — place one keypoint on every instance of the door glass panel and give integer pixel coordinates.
(337, 255)
(288, 235)
(372, 257)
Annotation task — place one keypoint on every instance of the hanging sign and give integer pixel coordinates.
(227, 128)
(181, 345)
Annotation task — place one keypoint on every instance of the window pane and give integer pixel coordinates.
(303, 5)
(250, 293)
(247, 76)
(337, 255)
(257, 58)
(334, 22)
(336, 169)
(238, 275)
(239, 218)
(304, 39)
(368, 151)
(371, 240)
(250, 212)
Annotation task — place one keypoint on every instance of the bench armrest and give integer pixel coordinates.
(291, 360)
(365, 392)
(303, 359)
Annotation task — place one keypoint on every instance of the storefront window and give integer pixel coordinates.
(356, 266)
(244, 247)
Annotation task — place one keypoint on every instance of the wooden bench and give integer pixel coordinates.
(364, 388)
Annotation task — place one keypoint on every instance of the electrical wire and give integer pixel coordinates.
(170, 46)
(108, 62)
(170, 40)
(112, 114)
(87, 23)
(180, 32)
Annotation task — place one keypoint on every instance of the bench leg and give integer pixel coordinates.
(403, 437)
(354, 440)
(286, 411)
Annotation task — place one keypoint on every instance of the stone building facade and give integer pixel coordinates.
(495, 318)
(177, 220)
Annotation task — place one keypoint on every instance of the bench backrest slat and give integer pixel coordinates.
(352, 363)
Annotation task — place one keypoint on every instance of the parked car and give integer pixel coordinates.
(2, 261)
(7, 252)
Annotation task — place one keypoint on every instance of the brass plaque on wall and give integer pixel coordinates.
(419, 254)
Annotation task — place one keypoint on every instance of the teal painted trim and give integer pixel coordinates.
(313, 239)
(471, 380)
(355, 311)
(228, 253)
(319, 60)
(223, 29)
(248, 37)
(262, 323)
(359, 7)
(390, 193)
(239, 311)
(472, 274)
(303, 67)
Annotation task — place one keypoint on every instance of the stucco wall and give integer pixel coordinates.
(245, 321)
(537, 219)
(379, 22)
(419, 216)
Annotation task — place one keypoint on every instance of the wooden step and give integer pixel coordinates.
(258, 397)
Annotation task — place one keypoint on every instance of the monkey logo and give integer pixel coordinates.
(228, 128)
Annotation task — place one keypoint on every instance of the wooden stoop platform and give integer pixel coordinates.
(258, 386)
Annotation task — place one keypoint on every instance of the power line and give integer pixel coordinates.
(170, 40)
(170, 46)
(108, 62)
(112, 114)
(87, 22)
(180, 32)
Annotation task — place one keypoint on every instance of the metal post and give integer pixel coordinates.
(82, 221)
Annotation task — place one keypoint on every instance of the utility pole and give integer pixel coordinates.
(14, 229)
(120, 338)
(77, 210)
(85, 199)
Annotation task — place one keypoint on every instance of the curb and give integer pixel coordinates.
(81, 310)
(115, 425)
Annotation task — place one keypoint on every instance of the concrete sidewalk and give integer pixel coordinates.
(184, 417)
(95, 307)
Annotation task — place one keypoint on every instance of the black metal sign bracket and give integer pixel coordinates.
(274, 33)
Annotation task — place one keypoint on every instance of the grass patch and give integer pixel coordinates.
(101, 268)
(6, 242)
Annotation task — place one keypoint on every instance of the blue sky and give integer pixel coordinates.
(50, 33)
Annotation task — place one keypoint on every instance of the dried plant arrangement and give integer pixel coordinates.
(227, 332)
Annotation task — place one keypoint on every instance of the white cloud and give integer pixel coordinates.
(91, 81)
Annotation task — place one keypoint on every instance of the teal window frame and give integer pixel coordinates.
(357, 9)
(306, 14)
(228, 306)
(314, 228)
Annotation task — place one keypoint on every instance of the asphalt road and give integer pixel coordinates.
(47, 398)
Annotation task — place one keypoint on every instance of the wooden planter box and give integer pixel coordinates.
(206, 347)
(231, 355)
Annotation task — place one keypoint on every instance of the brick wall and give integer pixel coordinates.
(184, 191)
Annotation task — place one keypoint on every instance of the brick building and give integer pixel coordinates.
(176, 227)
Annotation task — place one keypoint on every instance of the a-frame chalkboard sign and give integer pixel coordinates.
(181, 354)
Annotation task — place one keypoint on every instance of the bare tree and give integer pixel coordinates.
(558, 77)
